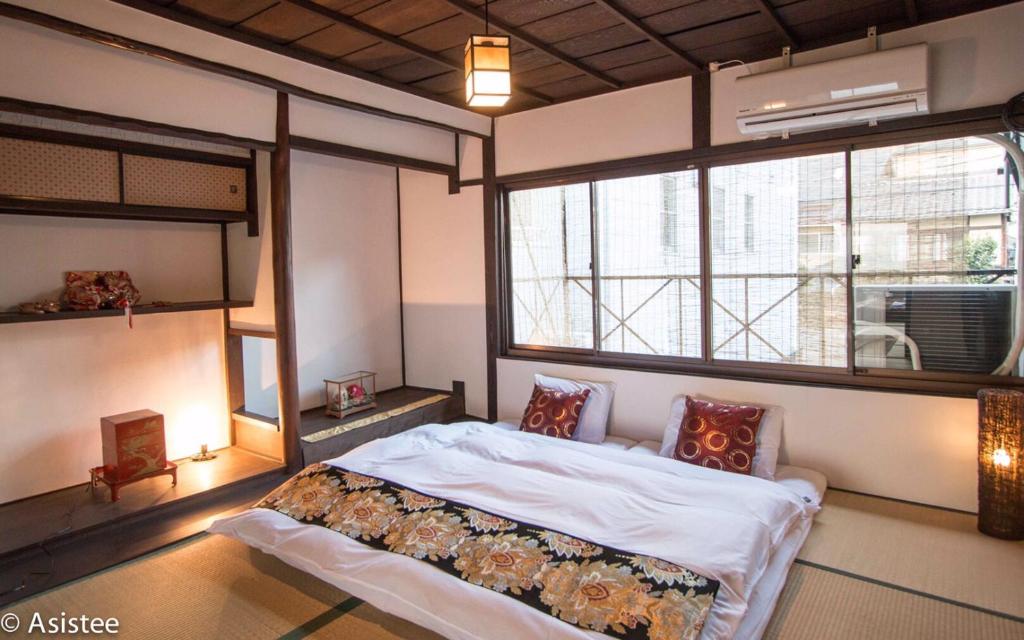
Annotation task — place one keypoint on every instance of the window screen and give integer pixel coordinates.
(931, 246)
(648, 236)
(934, 231)
(549, 244)
(778, 270)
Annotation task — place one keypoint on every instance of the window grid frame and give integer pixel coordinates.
(895, 380)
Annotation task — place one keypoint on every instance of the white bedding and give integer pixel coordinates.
(723, 526)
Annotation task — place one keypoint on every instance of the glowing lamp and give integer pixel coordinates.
(488, 75)
(1001, 463)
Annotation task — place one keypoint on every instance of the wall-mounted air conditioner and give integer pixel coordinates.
(859, 89)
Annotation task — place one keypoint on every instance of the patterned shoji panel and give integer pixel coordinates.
(179, 183)
(47, 170)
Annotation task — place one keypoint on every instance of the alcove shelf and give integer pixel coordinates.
(14, 205)
(142, 309)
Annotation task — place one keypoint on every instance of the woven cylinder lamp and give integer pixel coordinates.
(1001, 463)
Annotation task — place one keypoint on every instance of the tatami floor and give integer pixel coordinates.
(871, 568)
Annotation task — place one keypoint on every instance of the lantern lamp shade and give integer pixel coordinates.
(488, 75)
(1001, 463)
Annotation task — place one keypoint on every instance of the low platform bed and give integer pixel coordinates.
(669, 549)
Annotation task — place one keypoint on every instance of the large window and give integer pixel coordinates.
(776, 298)
(648, 264)
(855, 262)
(552, 301)
(935, 234)
(647, 267)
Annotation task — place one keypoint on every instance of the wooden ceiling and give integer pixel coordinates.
(562, 49)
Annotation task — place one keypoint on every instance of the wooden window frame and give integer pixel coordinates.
(965, 123)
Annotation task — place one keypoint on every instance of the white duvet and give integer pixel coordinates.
(721, 525)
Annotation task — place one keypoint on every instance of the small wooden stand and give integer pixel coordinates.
(97, 476)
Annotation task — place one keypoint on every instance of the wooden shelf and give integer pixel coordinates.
(26, 206)
(65, 512)
(314, 420)
(203, 305)
(257, 419)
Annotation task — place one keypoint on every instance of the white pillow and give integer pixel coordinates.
(769, 434)
(594, 416)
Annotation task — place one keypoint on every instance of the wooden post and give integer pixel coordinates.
(491, 272)
(284, 297)
(701, 108)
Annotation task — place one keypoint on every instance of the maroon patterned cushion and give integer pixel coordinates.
(719, 436)
(553, 413)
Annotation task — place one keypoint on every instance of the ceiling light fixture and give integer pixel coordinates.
(488, 76)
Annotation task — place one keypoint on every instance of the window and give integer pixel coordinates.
(771, 302)
(839, 266)
(934, 289)
(549, 243)
(649, 286)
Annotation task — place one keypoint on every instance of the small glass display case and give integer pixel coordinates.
(351, 393)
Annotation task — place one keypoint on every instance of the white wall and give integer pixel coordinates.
(58, 378)
(132, 99)
(911, 447)
(345, 246)
(974, 61)
(649, 119)
(72, 72)
(907, 446)
(324, 122)
(167, 261)
(443, 287)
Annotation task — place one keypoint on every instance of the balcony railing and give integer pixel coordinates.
(817, 337)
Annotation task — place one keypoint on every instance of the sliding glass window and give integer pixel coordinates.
(648, 257)
(549, 251)
(935, 231)
(778, 261)
(875, 261)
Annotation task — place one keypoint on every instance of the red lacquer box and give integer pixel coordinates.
(133, 444)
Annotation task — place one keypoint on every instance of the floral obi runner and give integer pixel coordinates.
(594, 587)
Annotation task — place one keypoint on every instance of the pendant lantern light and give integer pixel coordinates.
(488, 76)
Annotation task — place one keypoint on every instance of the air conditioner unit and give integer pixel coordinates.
(859, 89)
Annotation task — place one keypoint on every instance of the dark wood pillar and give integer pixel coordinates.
(491, 243)
(701, 103)
(284, 296)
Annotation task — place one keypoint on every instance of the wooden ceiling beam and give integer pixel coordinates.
(536, 43)
(769, 12)
(372, 31)
(911, 9)
(638, 25)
